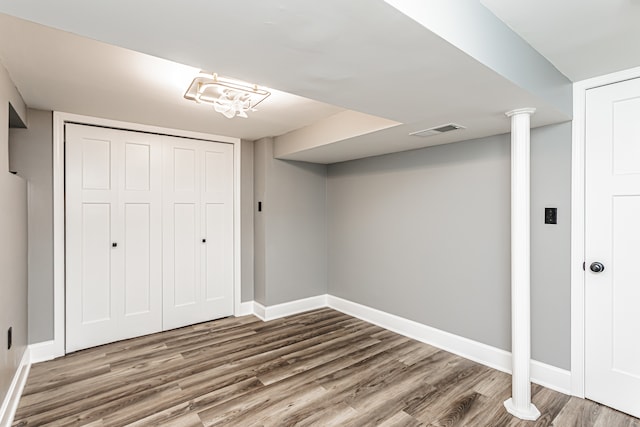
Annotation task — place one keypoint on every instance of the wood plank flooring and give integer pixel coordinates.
(321, 368)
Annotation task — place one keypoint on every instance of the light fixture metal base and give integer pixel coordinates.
(529, 414)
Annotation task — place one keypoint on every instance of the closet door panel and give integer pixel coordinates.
(91, 222)
(218, 261)
(137, 167)
(217, 204)
(181, 234)
(96, 163)
(95, 263)
(140, 194)
(184, 170)
(138, 259)
(198, 231)
(113, 227)
(185, 258)
(218, 172)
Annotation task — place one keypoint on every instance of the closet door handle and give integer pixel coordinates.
(114, 245)
(204, 240)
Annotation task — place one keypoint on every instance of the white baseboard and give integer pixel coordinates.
(12, 398)
(259, 310)
(551, 377)
(469, 349)
(246, 308)
(541, 373)
(43, 351)
(289, 308)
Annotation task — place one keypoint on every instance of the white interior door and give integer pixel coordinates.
(612, 296)
(113, 235)
(198, 231)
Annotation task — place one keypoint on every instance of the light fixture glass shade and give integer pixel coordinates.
(229, 97)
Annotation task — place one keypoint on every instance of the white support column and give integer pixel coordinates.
(520, 403)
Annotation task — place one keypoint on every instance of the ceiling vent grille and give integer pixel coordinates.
(437, 130)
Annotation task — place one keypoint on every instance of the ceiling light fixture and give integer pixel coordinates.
(227, 96)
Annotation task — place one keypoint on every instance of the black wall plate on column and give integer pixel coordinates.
(550, 215)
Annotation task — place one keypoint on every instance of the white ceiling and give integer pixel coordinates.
(61, 71)
(582, 38)
(132, 61)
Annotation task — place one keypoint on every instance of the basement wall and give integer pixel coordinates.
(32, 159)
(13, 251)
(290, 231)
(425, 235)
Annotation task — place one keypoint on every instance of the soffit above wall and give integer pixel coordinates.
(582, 38)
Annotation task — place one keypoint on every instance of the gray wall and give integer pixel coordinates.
(551, 245)
(246, 208)
(291, 233)
(13, 251)
(261, 163)
(31, 157)
(426, 235)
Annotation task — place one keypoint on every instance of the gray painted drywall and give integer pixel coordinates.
(425, 235)
(260, 165)
(13, 251)
(246, 208)
(31, 157)
(296, 212)
(551, 245)
(291, 233)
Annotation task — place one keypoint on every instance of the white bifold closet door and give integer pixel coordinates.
(113, 235)
(198, 231)
(149, 233)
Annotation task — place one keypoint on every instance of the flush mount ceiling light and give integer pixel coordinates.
(227, 96)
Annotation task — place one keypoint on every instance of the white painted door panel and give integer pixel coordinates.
(95, 290)
(113, 235)
(140, 204)
(138, 251)
(91, 205)
(181, 234)
(217, 206)
(185, 260)
(612, 297)
(198, 231)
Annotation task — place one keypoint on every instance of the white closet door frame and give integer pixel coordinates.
(56, 347)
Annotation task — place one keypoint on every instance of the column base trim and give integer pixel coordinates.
(530, 414)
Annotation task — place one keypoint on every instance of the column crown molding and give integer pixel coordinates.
(530, 110)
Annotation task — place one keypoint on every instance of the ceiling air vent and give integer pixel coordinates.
(437, 130)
